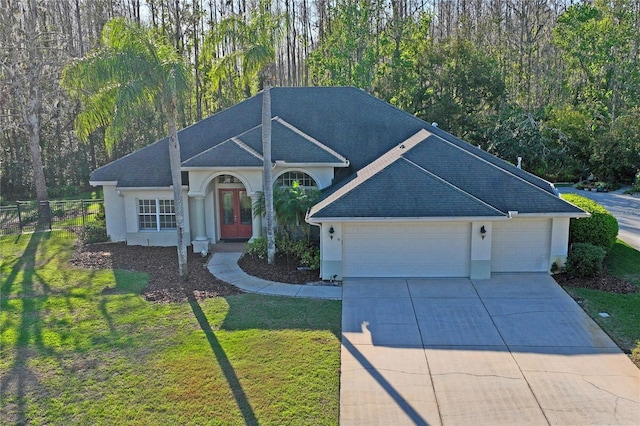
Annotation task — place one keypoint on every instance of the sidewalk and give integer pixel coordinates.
(225, 267)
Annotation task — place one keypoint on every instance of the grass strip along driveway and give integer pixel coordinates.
(623, 322)
(83, 347)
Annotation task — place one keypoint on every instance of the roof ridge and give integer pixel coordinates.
(468, 152)
(310, 138)
(465, 144)
(372, 169)
(430, 173)
(247, 148)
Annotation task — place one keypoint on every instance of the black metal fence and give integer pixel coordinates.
(66, 216)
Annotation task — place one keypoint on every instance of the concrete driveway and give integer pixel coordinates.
(625, 208)
(515, 349)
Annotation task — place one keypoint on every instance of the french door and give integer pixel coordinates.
(235, 214)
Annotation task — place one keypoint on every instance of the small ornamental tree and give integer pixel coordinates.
(291, 204)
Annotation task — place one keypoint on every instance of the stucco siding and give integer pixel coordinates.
(135, 236)
(114, 213)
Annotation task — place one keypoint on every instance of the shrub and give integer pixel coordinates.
(635, 354)
(94, 233)
(585, 260)
(601, 229)
(310, 256)
(258, 248)
(101, 215)
(307, 253)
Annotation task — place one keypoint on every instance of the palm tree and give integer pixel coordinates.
(250, 45)
(267, 175)
(132, 67)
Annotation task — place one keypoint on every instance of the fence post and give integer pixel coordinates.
(47, 212)
(84, 212)
(19, 216)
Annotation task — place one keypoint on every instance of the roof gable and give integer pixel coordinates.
(407, 190)
(230, 153)
(427, 176)
(291, 145)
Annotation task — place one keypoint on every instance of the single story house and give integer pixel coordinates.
(402, 198)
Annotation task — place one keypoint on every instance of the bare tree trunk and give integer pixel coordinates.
(267, 175)
(176, 179)
(26, 88)
(33, 129)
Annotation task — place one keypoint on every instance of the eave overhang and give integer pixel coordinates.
(319, 220)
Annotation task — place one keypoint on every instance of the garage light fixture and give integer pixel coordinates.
(331, 232)
(483, 232)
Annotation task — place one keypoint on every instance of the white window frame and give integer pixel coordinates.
(289, 181)
(158, 216)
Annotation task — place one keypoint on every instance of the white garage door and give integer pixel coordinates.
(406, 250)
(521, 245)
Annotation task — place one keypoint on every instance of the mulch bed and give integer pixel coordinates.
(162, 266)
(605, 282)
(285, 270)
(161, 263)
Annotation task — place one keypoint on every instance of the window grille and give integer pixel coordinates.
(303, 179)
(156, 215)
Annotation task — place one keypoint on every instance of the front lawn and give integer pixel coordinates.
(83, 347)
(623, 324)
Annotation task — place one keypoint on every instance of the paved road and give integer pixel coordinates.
(515, 349)
(625, 208)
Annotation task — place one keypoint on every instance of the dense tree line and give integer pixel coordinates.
(556, 82)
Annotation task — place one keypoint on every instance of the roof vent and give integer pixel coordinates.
(519, 163)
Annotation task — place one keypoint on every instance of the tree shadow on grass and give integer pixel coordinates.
(19, 378)
(223, 362)
(25, 298)
(255, 311)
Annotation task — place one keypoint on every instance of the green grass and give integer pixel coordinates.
(95, 194)
(623, 325)
(72, 354)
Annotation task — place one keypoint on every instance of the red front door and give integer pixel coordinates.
(235, 214)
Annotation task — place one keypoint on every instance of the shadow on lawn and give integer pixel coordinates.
(250, 311)
(256, 311)
(25, 293)
(223, 362)
(20, 377)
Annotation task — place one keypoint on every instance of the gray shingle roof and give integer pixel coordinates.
(494, 185)
(407, 190)
(427, 176)
(230, 153)
(351, 125)
(291, 145)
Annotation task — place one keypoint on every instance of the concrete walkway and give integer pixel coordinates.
(224, 265)
(515, 349)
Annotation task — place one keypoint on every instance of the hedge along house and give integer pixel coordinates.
(401, 197)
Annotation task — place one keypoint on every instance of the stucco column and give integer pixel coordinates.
(481, 236)
(256, 219)
(198, 222)
(559, 242)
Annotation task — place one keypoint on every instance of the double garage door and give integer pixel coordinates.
(441, 249)
(425, 249)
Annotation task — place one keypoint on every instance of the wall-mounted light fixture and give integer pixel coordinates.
(331, 232)
(483, 232)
